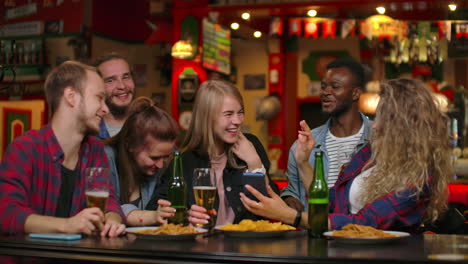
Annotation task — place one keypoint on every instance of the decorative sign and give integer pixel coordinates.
(22, 29)
(21, 11)
(315, 64)
(216, 47)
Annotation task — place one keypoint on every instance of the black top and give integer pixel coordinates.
(66, 192)
(232, 179)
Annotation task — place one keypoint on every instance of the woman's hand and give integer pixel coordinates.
(198, 215)
(245, 150)
(272, 207)
(164, 211)
(305, 143)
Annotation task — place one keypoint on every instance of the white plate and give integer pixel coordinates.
(133, 230)
(368, 240)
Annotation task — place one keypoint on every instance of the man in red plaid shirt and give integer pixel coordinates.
(42, 183)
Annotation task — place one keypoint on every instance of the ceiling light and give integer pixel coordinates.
(182, 50)
(257, 34)
(235, 26)
(380, 10)
(245, 16)
(312, 13)
(452, 7)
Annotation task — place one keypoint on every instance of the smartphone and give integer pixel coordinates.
(256, 180)
(55, 236)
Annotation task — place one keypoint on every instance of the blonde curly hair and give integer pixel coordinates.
(409, 145)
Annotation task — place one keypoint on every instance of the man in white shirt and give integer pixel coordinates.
(346, 131)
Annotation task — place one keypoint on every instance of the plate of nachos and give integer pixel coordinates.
(255, 229)
(169, 231)
(360, 234)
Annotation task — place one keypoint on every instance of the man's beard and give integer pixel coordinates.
(116, 110)
(340, 110)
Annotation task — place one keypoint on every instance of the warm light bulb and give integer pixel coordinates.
(235, 26)
(312, 13)
(380, 10)
(452, 7)
(257, 34)
(245, 16)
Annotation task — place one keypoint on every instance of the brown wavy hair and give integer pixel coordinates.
(145, 119)
(200, 136)
(409, 145)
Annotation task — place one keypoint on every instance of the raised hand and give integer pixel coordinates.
(245, 150)
(305, 143)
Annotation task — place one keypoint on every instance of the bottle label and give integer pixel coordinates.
(318, 201)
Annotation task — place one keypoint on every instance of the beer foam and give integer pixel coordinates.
(98, 193)
(204, 187)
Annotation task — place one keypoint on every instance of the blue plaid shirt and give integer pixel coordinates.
(103, 133)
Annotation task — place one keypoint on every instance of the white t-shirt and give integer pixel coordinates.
(355, 192)
(339, 151)
(113, 130)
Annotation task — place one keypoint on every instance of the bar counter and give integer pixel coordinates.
(294, 247)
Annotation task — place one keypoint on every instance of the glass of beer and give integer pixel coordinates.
(97, 187)
(204, 189)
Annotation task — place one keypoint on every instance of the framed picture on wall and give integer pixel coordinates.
(254, 82)
(139, 74)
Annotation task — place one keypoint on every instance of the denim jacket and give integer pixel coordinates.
(295, 186)
(147, 188)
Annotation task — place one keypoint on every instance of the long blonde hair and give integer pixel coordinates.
(200, 136)
(409, 146)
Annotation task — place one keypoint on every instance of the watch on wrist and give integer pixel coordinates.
(297, 220)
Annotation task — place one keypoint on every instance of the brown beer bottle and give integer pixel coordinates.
(177, 192)
(318, 200)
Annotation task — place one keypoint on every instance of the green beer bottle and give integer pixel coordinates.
(177, 193)
(318, 200)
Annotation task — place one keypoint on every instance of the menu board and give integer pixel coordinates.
(216, 47)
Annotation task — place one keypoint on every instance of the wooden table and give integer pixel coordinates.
(292, 248)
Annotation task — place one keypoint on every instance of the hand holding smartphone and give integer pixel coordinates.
(256, 180)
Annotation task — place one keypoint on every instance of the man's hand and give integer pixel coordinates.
(305, 143)
(113, 226)
(294, 203)
(86, 221)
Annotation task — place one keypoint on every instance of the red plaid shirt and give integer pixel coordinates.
(30, 178)
(395, 211)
